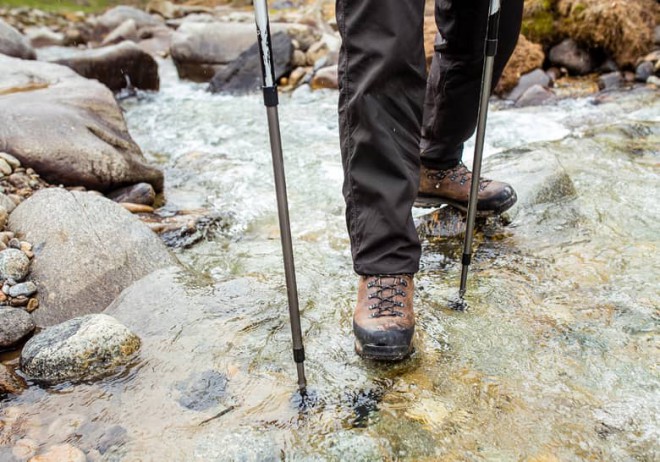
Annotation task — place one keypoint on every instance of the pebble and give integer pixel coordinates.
(15, 324)
(60, 453)
(5, 168)
(5, 288)
(14, 244)
(14, 264)
(3, 297)
(25, 246)
(32, 305)
(644, 71)
(25, 289)
(11, 160)
(136, 208)
(19, 301)
(3, 246)
(611, 81)
(653, 80)
(140, 193)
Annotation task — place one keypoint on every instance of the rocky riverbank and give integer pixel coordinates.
(80, 263)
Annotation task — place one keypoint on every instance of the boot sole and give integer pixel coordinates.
(383, 352)
(428, 202)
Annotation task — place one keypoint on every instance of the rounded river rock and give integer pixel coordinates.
(82, 348)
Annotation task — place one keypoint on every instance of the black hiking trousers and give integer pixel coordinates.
(391, 117)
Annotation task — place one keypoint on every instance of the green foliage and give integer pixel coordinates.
(69, 5)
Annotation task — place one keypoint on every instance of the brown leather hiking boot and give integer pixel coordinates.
(452, 186)
(384, 321)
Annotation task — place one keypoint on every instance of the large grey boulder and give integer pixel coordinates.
(82, 348)
(68, 128)
(12, 43)
(244, 74)
(117, 15)
(200, 50)
(116, 66)
(87, 250)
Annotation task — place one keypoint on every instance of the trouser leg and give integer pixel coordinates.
(382, 83)
(452, 95)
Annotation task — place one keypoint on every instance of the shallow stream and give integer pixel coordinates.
(555, 359)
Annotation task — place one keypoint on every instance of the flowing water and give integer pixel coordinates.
(555, 359)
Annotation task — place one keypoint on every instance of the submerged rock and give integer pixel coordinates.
(13, 43)
(244, 74)
(118, 66)
(9, 382)
(87, 252)
(15, 325)
(60, 453)
(68, 128)
(82, 348)
(202, 391)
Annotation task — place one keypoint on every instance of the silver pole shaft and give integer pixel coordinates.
(476, 170)
(285, 233)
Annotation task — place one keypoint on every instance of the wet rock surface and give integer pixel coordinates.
(82, 348)
(120, 66)
(243, 75)
(86, 253)
(37, 100)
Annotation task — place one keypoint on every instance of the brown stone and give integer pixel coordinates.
(326, 77)
(61, 453)
(137, 208)
(9, 382)
(19, 301)
(32, 305)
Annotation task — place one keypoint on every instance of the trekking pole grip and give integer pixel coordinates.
(266, 51)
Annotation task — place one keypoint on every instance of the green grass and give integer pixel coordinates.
(90, 6)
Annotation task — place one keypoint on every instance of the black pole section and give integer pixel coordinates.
(271, 102)
(490, 50)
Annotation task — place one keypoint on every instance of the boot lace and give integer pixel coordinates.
(386, 294)
(459, 174)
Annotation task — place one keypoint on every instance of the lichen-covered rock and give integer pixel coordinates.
(82, 348)
(86, 252)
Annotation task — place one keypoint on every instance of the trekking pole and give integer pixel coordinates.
(486, 83)
(271, 101)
